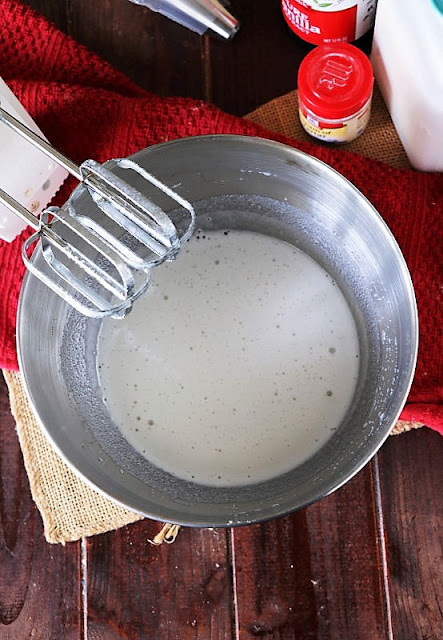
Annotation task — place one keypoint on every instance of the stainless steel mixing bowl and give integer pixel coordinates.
(246, 183)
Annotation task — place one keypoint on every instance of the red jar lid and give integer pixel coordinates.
(335, 80)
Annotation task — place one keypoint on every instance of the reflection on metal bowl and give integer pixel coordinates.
(274, 190)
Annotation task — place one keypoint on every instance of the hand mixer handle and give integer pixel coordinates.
(40, 143)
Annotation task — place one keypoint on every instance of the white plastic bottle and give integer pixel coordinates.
(407, 58)
(26, 173)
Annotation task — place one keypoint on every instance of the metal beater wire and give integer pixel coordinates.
(106, 277)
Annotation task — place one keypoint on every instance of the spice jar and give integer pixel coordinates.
(335, 85)
(321, 21)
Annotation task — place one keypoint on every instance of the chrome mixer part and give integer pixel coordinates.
(100, 266)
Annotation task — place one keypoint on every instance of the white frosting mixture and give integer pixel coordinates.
(237, 364)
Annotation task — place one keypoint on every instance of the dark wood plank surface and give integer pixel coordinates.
(302, 576)
(40, 584)
(362, 564)
(182, 590)
(411, 477)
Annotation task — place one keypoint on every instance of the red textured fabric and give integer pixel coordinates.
(89, 110)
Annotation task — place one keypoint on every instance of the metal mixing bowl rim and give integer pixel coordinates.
(276, 512)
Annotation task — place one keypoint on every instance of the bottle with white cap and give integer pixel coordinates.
(26, 173)
(407, 57)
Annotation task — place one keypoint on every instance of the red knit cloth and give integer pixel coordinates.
(89, 110)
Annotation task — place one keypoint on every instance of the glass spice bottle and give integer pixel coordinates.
(335, 85)
(329, 21)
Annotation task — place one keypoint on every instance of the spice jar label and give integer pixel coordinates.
(340, 131)
(320, 21)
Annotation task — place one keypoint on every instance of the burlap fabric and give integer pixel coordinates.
(379, 142)
(70, 509)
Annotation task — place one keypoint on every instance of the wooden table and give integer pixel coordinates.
(361, 564)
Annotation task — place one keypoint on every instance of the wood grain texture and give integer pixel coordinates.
(259, 63)
(40, 584)
(411, 479)
(314, 574)
(136, 590)
(160, 55)
(57, 12)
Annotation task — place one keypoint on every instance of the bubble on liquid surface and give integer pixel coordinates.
(227, 360)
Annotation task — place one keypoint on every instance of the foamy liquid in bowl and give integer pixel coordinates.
(237, 364)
